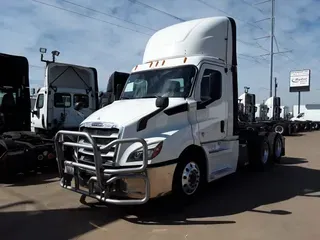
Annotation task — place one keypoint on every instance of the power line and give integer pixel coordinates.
(97, 19)
(100, 20)
(147, 6)
(251, 5)
(35, 66)
(183, 20)
(109, 15)
(222, 11)
(289, 36)
(156, 9)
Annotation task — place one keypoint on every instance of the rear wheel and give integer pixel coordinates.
(277, 149)
(259, 153)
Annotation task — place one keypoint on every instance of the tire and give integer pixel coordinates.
(277, 149)
(259, 154)
(188, 179)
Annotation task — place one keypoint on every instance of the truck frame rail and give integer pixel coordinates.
(103, 177)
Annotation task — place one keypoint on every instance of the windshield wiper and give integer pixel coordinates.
(150, 96)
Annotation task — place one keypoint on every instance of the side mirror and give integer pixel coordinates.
(100, 94)
(34, 112)
(33, 91)
(162, 102)
(118, 91)
(78, 106)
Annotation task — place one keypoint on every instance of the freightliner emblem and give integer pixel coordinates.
(99, 125)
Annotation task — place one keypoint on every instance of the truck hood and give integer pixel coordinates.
(298, 119)
(125, 112)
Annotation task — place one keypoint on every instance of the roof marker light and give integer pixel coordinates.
(163, 62)
(150, 64)
(157, 63)
(185, 59)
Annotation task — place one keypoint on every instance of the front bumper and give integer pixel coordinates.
(120, 186)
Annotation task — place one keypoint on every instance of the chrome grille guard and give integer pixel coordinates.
(103, 176)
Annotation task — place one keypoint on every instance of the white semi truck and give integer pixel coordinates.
(65, 86)
(175, 126)
(309, 116)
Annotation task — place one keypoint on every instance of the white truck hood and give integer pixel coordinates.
(124, 112)
(298, 119)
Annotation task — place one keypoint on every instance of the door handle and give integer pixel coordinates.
(222, 126)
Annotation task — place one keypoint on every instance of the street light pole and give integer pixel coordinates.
(54, 53)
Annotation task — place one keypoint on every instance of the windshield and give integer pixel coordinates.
(173, 82)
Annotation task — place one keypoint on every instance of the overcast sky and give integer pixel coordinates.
(114, 35)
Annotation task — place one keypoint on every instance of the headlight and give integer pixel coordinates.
(153, 151)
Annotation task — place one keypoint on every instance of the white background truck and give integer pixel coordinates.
(274, 119)
(65, 85)
(175, 126)
(309, 116)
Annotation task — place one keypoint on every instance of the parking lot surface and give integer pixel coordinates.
(283, 203)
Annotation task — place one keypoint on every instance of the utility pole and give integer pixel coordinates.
(272, 38)
(271, 44)
(275, 86)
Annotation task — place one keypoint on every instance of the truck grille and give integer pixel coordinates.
(102, 137)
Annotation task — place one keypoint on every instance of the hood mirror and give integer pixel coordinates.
(162, 102)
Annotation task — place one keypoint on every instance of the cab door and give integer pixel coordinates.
(39, 112)
(214, 94)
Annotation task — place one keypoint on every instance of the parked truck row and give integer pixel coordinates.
(271, 115)
(173, 124)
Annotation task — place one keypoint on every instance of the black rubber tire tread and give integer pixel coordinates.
(255, 151)
(177, 191)
(274, 158)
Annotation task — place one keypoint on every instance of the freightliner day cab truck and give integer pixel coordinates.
(65, 86)
(175, 126)
(19, 147)
(115, 86)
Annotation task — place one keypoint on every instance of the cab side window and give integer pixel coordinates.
(211, 85)
(40, 101)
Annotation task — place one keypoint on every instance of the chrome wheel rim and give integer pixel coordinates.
(279, 129)
(190, 178)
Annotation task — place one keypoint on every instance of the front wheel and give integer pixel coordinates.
(188, 179)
